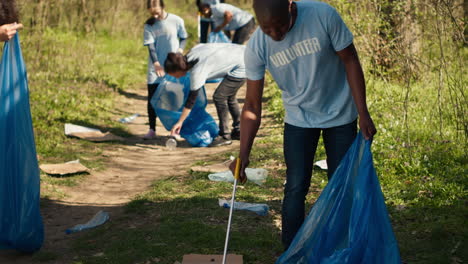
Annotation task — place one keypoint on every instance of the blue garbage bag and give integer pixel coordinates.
(21, 226)
(199, 128)
(218, 37)
(349, 222)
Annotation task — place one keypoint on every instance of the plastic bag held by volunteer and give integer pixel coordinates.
(349, 222)
(199, 129)
(21, 225)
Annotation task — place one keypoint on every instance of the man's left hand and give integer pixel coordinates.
(367, 126)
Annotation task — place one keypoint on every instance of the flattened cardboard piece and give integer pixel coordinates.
(90, 134)
(71, 128)
(63, 168)
(212, 259)
(70, 167)
(96, 136)
(322, 164)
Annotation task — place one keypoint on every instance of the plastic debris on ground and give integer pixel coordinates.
(61, 169)
(98, 219)
(90, 134)
(171, 144)
(257, 176)
(260, 209)
(21, 226)
(322, 164)
(349, 222)
(128, 119)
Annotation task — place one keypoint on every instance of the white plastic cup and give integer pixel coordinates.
(171, 143)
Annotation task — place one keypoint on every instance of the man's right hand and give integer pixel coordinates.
(176, 129)
(244, 163)
(159, 70)
(7, 31)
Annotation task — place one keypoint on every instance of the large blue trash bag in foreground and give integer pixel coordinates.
(199, 129)
(21, 225)
(349, 222)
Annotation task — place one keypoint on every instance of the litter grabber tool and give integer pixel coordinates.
(225, 258)
(236, 177)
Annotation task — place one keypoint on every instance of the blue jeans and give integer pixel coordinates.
(300, 145)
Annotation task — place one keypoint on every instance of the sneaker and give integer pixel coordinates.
(177, 137)
(150, 135)
(235, 134)
(220, 141)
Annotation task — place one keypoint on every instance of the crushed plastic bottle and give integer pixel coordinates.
(128, 119)
(256, 175)
(98, 219)
(260, 209)
(171, 143)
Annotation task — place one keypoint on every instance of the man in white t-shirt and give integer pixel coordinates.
(208, 62)
(309, 51)
(228, 17)
(206, 22)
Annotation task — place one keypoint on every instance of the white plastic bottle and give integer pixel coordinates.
(98, 219)
(128, 119)
(171, 143)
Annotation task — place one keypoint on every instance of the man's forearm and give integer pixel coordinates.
(251, 117)
(250, 121)
(152, 53)
(355, 77)
(358, 87)
(183, 116)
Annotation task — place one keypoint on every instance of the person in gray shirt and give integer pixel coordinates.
(229, 17)
(206, 23)
(207, 62)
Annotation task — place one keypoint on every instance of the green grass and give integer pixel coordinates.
(75, 78)
(180, 216)
(423, 176)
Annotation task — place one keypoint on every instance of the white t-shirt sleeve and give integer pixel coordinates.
(181, 32)
(210, 2)
(340, 36)
(217, 12)
(148, 37)
(197, 79)
(254, 65)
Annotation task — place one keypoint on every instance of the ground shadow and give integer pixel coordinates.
(146, 230)
(132, 95)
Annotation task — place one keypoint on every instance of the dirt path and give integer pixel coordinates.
(131, 168)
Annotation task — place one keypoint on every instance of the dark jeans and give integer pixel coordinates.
(300, 145)
(204, 29)
(226, 102)
(242, 34)
(151, 113)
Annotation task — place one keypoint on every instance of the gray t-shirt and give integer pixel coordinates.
(215, 60)
(208, 2)
(165, 35)
(305, 66)
(239, 16)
